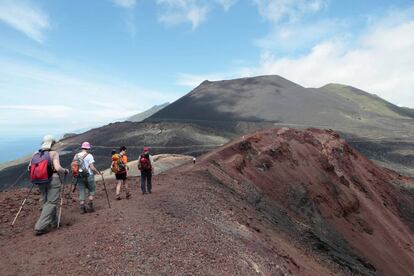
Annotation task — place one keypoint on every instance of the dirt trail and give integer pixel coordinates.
(182, 227)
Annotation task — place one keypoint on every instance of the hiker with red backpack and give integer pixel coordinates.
(119, 167)
(83, 169)
(44, 168)
(145, 162)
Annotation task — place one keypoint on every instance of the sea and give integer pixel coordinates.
(12, 149)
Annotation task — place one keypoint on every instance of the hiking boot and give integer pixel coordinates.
(128, 195)
(40, 232)
(90, 208)
(82, 209)
(118, 197)
(144, 193)
(149, 192)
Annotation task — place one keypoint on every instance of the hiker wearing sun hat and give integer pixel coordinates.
(50, 187)
(86, 178)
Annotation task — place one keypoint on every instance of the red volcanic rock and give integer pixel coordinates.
(316, 179)
(277, 202)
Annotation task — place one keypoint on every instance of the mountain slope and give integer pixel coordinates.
(143, 115)
(368, 103)
(266, 98)
(274, 99)
(253, 206)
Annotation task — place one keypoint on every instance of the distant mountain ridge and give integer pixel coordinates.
(216, 112)
(143, 115)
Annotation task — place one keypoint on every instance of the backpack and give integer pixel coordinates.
(119, 166)
(144, 163)
(41, 170)
(78, 167)
(114, 166)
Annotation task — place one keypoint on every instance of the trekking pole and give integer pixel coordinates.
(21, 206)
(61, 200)
(107, 197)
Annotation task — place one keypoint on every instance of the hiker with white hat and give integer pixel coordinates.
(85, 176)
(50, 187)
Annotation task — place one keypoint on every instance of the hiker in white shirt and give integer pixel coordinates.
(86, 180)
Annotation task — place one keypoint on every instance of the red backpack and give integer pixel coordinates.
(144, 163)
(41, 170)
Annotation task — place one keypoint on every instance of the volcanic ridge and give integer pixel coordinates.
(277, 202)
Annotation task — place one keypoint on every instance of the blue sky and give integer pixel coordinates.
(67, 65)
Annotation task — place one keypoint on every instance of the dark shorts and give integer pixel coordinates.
(121, 176)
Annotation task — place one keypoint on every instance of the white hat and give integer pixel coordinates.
(47, 142)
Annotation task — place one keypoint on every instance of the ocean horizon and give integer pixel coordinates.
(14, 149)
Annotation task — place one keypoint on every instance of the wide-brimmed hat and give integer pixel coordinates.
(47, 142)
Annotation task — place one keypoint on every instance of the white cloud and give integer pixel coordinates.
(22, 114)
(290, 10)
(291, 37)
(129, 18)
(36, 108)
(179, 11)
(175, 12)
(226, 4)
(127, 4)
(193, 80)
(381, 62)
(25, 18)
(47, 98)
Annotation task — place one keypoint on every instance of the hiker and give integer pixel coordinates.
(194, 160)
(147, 170)
(119, 166)
(86, 177)
(44, 168)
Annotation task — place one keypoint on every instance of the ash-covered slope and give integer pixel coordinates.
(275, 99)
(265, 98)
(313, 186)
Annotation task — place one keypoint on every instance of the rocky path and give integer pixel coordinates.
(183, 227)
